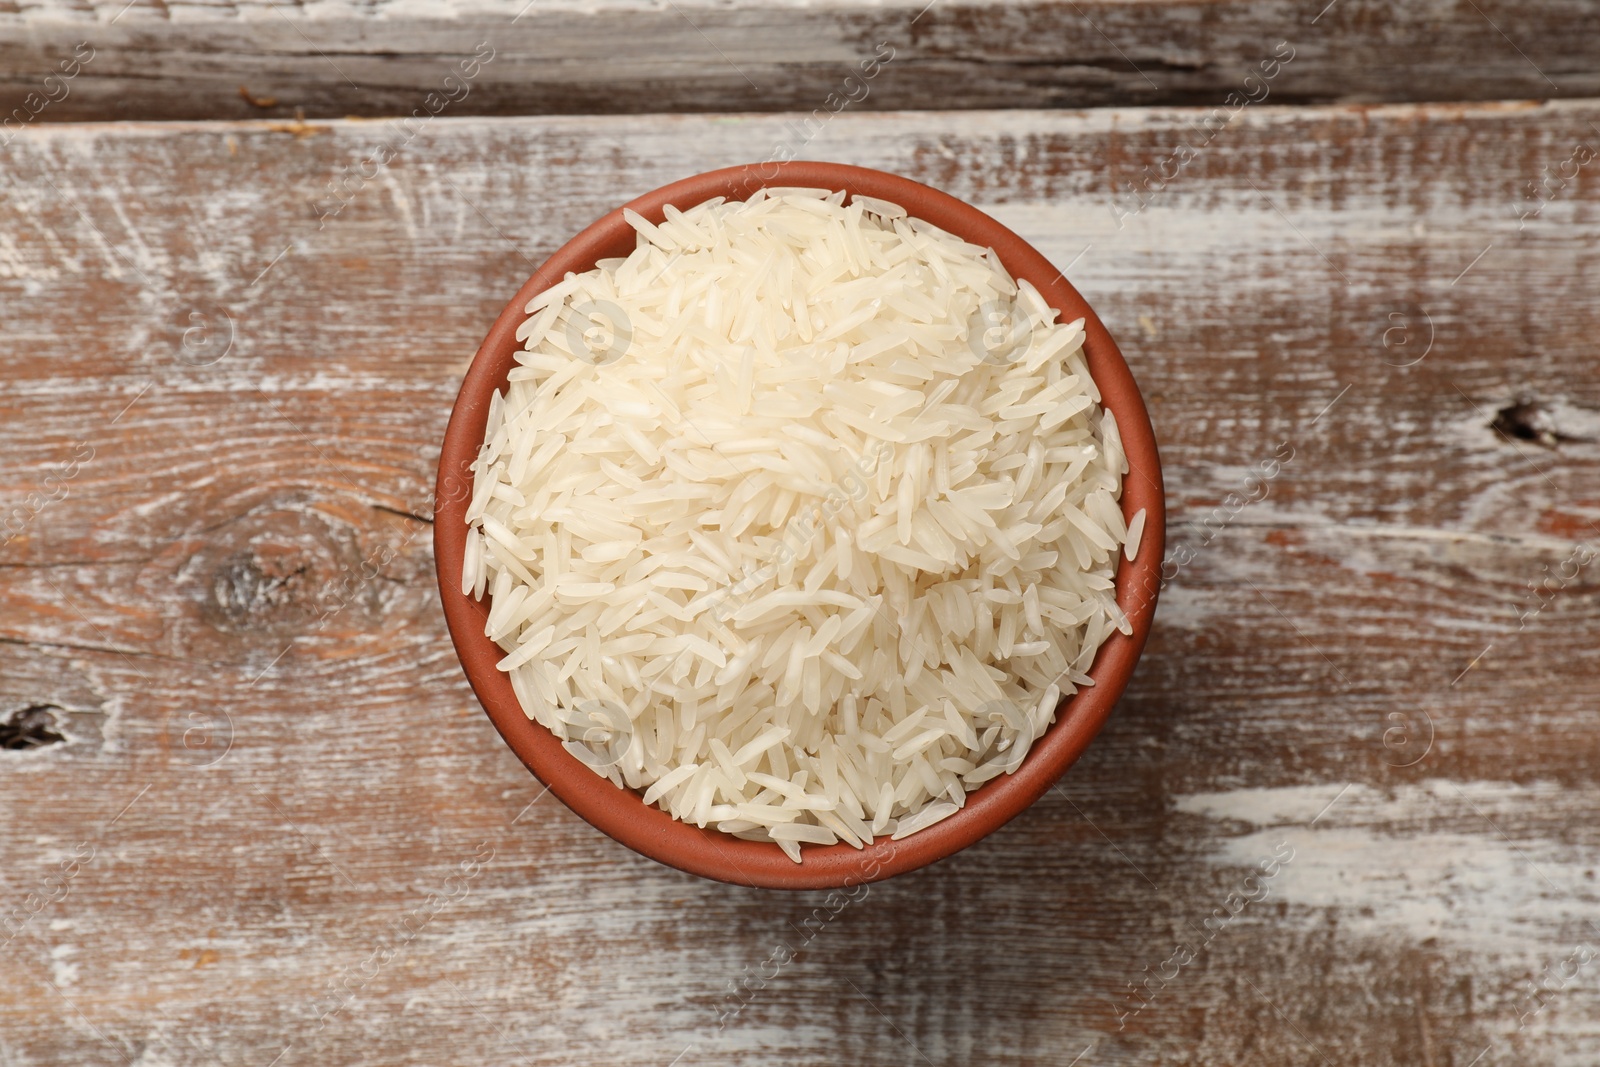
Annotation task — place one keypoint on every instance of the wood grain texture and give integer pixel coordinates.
(253, 58)
(218, 425)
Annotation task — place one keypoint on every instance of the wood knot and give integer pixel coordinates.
(1526, 420)
(34, 726)
(259, 583)
(276, 572)
(1531, 420)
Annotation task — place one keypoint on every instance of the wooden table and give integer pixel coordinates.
(253, 814)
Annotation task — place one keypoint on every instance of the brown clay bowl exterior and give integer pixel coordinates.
(621, 813)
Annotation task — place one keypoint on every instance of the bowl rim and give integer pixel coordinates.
(622, 814)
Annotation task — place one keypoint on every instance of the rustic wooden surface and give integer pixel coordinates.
(249, 847)
(329, 58)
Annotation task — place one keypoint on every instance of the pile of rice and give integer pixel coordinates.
(801, 519)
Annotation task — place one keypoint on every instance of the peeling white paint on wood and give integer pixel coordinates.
(1469, 863)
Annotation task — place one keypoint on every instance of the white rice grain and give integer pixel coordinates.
(1130, 548)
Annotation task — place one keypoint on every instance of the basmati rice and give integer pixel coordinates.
(800, 519)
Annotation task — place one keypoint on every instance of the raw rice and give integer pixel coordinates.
(800, 519)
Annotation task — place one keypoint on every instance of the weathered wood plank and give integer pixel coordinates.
(251, 58)
(305, 764)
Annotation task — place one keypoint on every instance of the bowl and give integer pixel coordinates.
(621, 813)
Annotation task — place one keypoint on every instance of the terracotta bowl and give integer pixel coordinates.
(622, 813)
